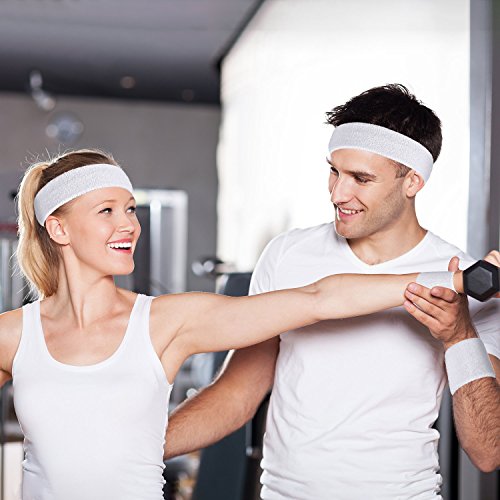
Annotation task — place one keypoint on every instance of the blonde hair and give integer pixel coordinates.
(38, 257)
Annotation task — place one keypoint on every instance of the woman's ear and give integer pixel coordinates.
(56, 230)
(414, 182)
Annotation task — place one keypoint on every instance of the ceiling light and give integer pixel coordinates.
(187, 95)
(127, 82)
(65, 128)
(43, 99)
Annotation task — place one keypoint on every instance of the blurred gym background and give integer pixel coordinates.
(216, 110)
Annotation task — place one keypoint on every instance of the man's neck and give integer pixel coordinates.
(388, 244)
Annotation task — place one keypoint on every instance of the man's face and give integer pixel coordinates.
(366, 194)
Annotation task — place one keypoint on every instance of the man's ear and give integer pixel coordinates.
(56, 230)
(413, 183)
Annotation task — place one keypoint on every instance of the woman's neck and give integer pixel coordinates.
(84, 297)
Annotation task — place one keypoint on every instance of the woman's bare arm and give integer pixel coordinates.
(209, 322)
(10, 335)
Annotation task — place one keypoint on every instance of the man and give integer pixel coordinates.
(354, 401)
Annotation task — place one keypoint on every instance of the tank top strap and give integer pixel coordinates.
(139, 320)
(140, 345)
(33, 329)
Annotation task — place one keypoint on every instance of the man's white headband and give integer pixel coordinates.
(385, 142)
(74, 183)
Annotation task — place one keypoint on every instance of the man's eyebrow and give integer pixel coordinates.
(361, 173)
(354, 173)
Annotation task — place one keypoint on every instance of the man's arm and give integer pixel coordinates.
(4, 377)
(227, 404)
(476, 405)
(476, 409)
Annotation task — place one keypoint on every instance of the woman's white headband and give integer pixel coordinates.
(74, 183)
(385, 142)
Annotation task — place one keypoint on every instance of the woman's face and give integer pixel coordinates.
(103, 230)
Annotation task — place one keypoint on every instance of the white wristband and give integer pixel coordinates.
(429, 280)
(467, 361)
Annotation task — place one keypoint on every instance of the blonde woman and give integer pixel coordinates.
(93, 365)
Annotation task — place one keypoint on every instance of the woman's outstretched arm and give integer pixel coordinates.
(209, 322)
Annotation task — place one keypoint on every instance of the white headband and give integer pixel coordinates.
(385, 142)
(74, 183)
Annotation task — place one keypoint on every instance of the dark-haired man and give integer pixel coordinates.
(354, 401)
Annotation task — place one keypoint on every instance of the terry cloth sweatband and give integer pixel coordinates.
(74, 183)
(467, 361)
(429, 280)
(385, 142)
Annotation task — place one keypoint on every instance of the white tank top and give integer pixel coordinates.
(92, 432)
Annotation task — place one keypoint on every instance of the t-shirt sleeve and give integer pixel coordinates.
(265, 269)
(487, 323)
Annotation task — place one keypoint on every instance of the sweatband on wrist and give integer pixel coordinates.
(385, 142)
(441, 278)
(467, 361)
(76, 182)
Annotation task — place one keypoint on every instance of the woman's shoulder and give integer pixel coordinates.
(177, 305)
(168, 306)
(11, 320)
(11, 325)
(171, 312)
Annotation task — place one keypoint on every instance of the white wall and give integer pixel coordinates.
(159, 145)
(297, 60)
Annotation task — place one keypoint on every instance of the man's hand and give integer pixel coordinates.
(444, 312)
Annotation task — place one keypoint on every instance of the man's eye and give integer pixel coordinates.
(361, 180)
(333, 171)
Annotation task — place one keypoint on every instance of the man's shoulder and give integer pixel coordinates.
(308, 236)
(446, 250)
(292, 254)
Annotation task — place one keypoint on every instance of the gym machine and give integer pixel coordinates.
(231, 467)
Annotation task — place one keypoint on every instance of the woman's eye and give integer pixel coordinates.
(105, 211)
(133, 209)
(333, 171)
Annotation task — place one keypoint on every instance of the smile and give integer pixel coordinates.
(120, 246)
(346, 211)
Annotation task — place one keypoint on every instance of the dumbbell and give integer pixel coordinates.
(482, 280)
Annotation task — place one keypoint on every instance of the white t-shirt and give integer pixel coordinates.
(354, 400)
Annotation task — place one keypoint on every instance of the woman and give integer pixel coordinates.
(93, 365)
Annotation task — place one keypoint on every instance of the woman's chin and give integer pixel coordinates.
(123, 271)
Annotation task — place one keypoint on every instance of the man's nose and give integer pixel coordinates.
(340, 191)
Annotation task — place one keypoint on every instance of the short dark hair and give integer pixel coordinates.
(392, 106)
